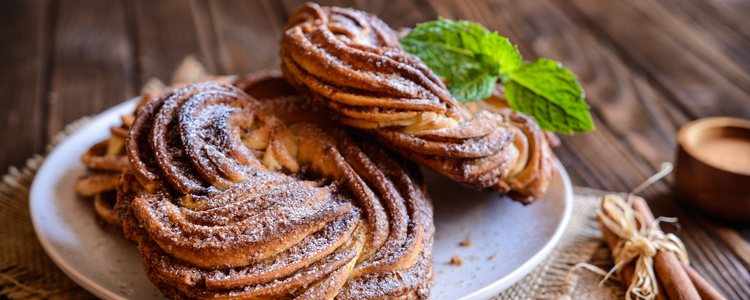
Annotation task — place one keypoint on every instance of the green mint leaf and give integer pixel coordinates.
(499, 50)
(465, 53)
(549, 93)
(475, 88)
(449, 62)
(472, 58)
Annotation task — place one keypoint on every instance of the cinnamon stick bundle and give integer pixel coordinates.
(676, 281)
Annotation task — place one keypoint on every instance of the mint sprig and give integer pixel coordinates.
(473, 58)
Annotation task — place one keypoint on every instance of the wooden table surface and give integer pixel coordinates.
(647, 67)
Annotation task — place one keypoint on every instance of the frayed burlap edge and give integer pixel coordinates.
(27, 273)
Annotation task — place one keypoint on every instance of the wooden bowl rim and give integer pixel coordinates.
(705, 124)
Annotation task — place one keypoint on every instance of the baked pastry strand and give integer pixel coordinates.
(230, 196)
(351, 63)
(106, 160)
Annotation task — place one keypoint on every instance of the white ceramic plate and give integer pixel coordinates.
(507, 239)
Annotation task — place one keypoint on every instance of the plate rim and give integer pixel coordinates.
(484, 292)
(502, 284)
(44, 240)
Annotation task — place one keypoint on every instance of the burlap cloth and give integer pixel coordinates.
(26, 271)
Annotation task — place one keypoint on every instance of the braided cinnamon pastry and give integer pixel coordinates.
(227, 200)
(106, 160)
(350, 62)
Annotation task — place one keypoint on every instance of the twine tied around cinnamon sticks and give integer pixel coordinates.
(648, 260)
(637, 242)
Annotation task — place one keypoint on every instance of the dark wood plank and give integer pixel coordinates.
(165, 33)
(206, 34)
(685, 60)
(731, 12)
(247, 35)
(23, 30)
(92, 67)
(704, 32)
(714, 20)
(714, 260)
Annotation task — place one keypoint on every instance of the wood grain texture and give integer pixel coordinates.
(691, 68)
(241, 28)
(710, 30)
(165, 33)
(647, 67)
(92, 61)
(731, 12)
(24, 32)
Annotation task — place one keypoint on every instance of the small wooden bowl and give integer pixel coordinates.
(713, 167)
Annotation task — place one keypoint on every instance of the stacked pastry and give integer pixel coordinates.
(227, 200)
(105, 162)
(251, 191)
(351, 63)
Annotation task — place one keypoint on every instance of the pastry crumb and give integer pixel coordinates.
(467, 241)
(492, 257)
(456, 261)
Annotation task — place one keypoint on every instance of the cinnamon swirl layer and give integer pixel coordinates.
(350, 63)
(106, 160)
(236, 197)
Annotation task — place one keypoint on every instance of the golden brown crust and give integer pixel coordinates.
(106, 160)
(217, 205)
(360, 58)
(351, 63)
